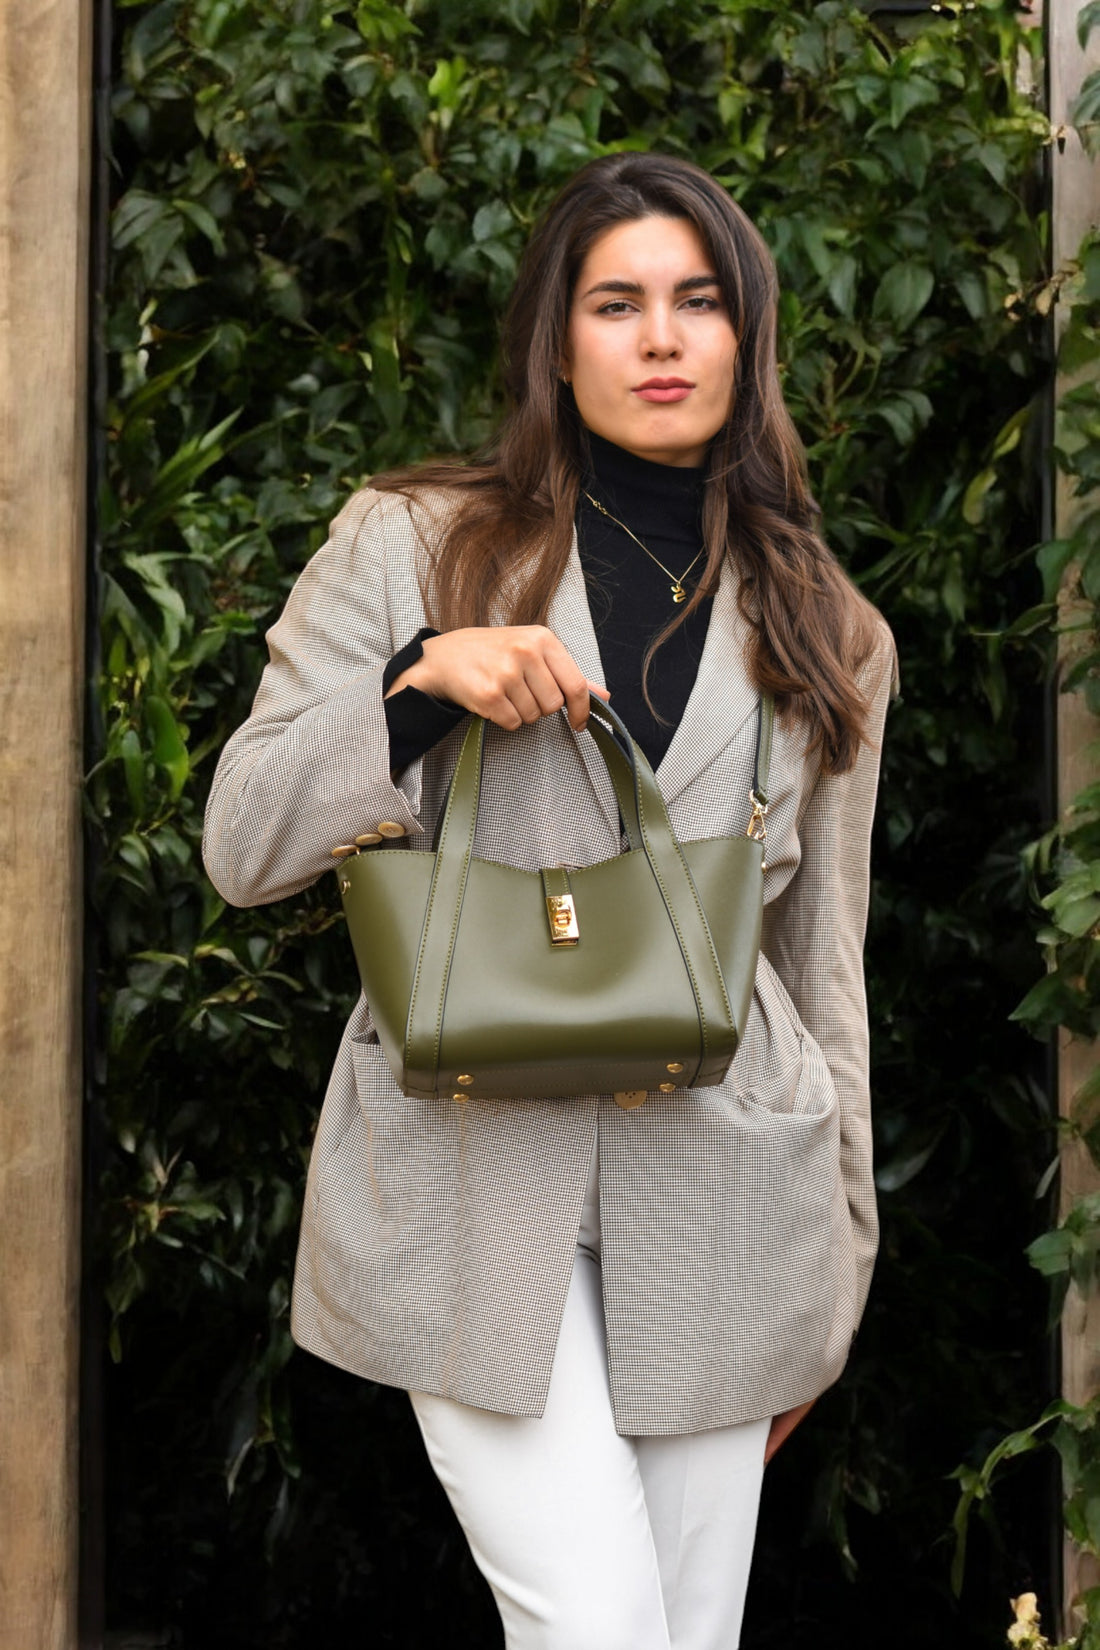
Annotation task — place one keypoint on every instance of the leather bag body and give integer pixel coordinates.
(631, 976)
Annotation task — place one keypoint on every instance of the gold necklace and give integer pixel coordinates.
(679, 594)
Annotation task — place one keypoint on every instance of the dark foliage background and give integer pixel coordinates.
(316, 211)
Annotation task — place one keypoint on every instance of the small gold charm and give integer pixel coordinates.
(679, 594)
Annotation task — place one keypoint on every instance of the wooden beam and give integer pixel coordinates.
(45, 140)
(1075, 208)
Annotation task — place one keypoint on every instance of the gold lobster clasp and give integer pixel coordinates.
(756, 828)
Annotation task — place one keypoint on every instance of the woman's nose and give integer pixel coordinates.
(661, 336)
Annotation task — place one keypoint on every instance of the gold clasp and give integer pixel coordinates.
(563, 919)
(756, 828)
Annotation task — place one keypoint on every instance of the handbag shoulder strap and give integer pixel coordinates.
(761, 765)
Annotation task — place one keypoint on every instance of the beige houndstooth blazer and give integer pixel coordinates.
(437, 1241)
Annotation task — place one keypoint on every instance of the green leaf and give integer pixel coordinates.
(169, 746)
(190, 460)
(1050, 1253)
(902, 293)
(974, 499)
(1084, 112)
(908, 93)
(133, 762)
(203, 220)
(1053, 559)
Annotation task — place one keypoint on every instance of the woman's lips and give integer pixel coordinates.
(663, 389)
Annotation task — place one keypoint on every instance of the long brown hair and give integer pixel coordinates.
(509, 519)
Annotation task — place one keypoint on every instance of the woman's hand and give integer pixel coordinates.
(510, 674)
(783, 1425)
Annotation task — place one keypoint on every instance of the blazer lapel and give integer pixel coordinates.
(570, 618)
(722, 697)
(721, 700)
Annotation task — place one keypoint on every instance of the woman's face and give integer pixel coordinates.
(649, 346)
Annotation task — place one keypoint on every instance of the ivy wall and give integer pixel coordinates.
(316, 212)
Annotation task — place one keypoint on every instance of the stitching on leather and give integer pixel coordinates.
(672, 915)
(676, 926)
(454, 930)
(427, 929)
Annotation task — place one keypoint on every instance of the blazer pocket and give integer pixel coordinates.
(769, 1069)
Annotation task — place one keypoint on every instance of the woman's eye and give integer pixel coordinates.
(698, 302)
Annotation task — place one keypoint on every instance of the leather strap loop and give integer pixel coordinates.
(762, 760)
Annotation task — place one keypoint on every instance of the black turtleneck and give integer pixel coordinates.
(629, 595)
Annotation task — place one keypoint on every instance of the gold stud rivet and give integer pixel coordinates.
(368, 839)
(668, 1088)
(387, 827)
(345, 884)
(344, 848)
(465, 1077)
(674, 1065)
(460, 1096)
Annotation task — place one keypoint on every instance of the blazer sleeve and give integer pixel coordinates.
(310, 769)
(814, 934)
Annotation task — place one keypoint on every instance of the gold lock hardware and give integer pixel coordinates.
(563, 919)
(629, 1098)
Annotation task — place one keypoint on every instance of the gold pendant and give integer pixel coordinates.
(679, 594)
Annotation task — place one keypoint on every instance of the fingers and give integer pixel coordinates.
(571, 684)
(510, 674)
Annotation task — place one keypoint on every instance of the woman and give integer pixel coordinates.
(607, 1318)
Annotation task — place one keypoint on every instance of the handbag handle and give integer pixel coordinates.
(648, 828)
(618, 755)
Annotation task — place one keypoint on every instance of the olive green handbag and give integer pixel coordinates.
(630, 976)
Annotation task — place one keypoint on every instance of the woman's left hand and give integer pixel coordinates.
(783, 1425)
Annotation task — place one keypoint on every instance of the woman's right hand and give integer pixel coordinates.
(510, 674)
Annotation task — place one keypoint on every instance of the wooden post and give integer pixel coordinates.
(45, 141)
(1075, 207)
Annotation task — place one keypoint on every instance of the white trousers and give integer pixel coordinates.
(589, 1540)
